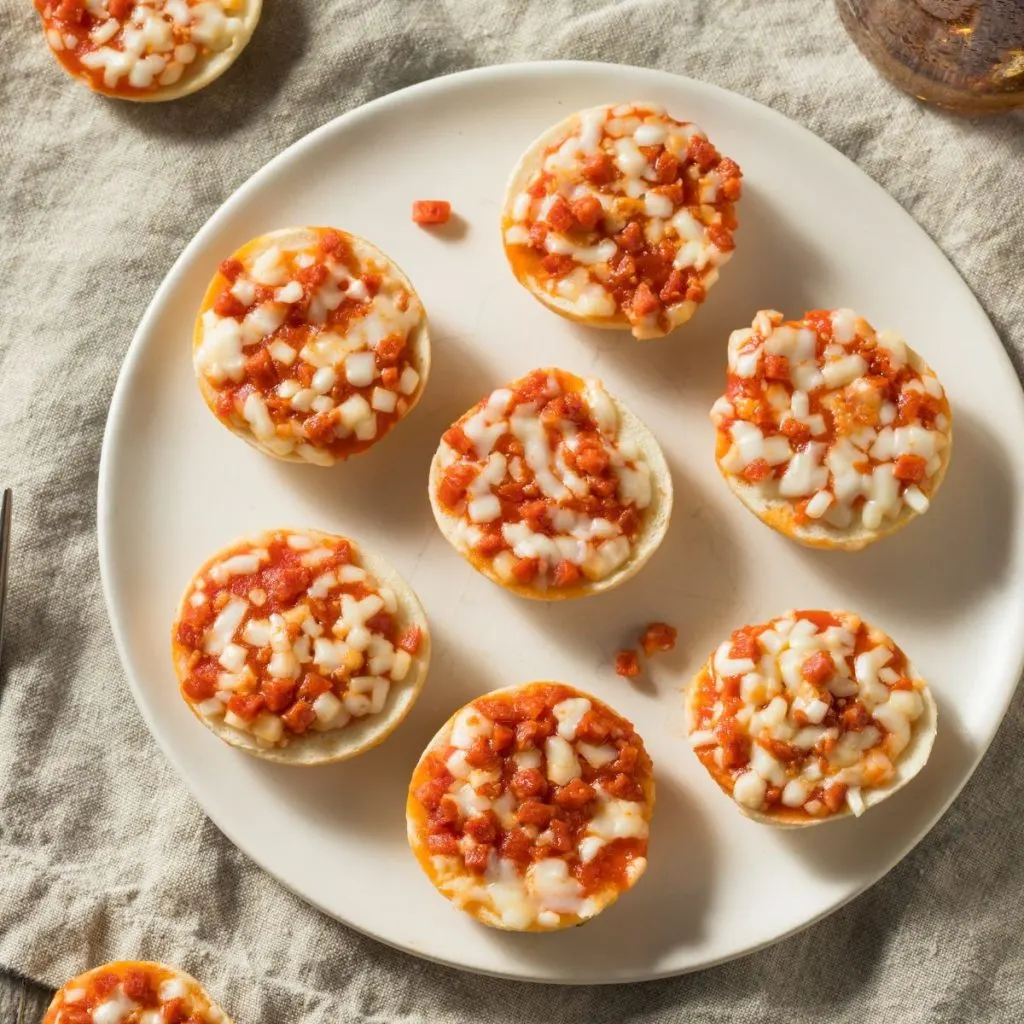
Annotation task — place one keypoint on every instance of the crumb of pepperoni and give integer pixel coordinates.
(627, 664)
(657, 637)
(431, 211)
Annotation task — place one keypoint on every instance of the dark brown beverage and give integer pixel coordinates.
(965, 55)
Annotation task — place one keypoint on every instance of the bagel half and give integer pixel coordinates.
(148, 54)
(530, 808)
(324, 366)
(824, 733)
(116, 990)
(831, 433)
(620, 217)
(642, 484)
(333, 678)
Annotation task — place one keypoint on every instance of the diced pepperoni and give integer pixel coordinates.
(231, 269)
(538, 189)
(588, 212)
(557, 265)
(528, 782)
(476, 858)
(313, 685)
(444, 844)
(312, 276)
(411, 640)
(431, 793)
(666, 167)
(283, 583)
(566, 574)
(782, 751)
(855, 717)
(330, 242)
(532, 812)
(627, 760)
(756, 471)
(175, 1012)
(818, 668)
(910, 468)
(390, 349)
(574, 795)
(631, 238)
(259, 367)
(772, 795)
(382, 623)
(515, 846)
(431, 211)
(776, 368)
(592, 459)
(278, 693)
(644, 301)
(627, 664)
(447, 814)
(136, 983)
(299, 717)
(534, 513)
(695, 291)
(834, 796)
(744, 645)
(559, 215)
(480, 754)
(703, 153)
(455, 437)
(538, 233)
(503, 738)
(454, 483)
(598, 168)
(483, 827)
(201, 683)
(674, 289)
(658, 636)
(624, 787)
(105, 983)
(389, 378)
(319, 427)
(721, 237)
(525, 570)
(70, 11)
(526, 735)
(491, 543)
(797, 432)
(592, 728)
(559, 836)
(227, 305)
(247, 705)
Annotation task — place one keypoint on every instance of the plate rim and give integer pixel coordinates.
(118, 401)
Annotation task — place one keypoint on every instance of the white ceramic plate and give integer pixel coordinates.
(814, 231)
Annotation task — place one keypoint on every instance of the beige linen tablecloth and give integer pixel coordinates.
(103, 854)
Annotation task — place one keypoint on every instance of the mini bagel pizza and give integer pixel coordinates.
(829, 432)
(810, 717)
(530, 808)
(300, 647)
(133, 992)
(147, 50)
(620, 217)
(311, 345)
(552, 488)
